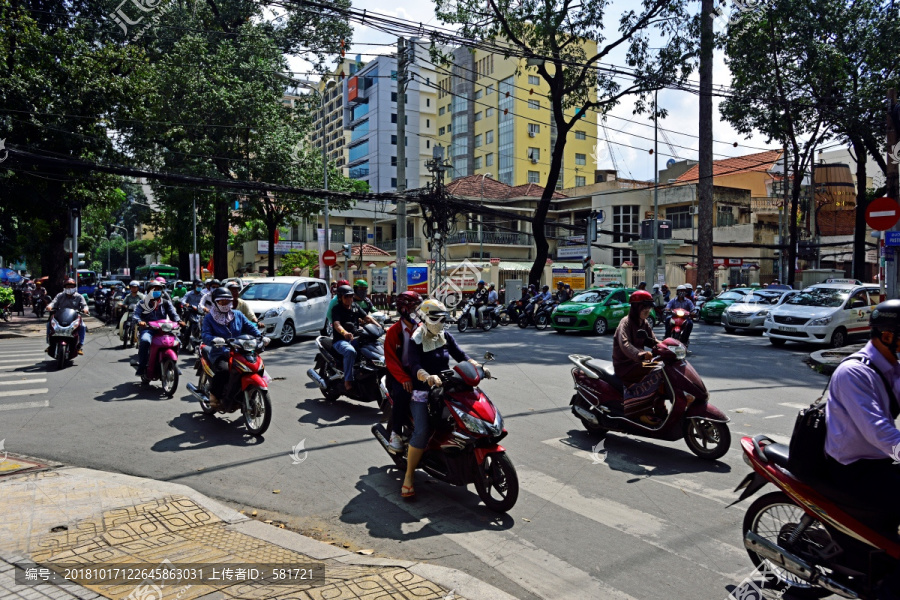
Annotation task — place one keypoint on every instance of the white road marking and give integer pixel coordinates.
(33, 392)
(16, 374)
(773, 416)
(17, 365)
(21, 353)
(794, 405)
(19, 358)
(21, 405)
(747, 411)
(42, 380)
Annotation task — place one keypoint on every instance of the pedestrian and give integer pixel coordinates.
(642, 286)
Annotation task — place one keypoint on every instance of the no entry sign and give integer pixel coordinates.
(882, 213)
(329, 258)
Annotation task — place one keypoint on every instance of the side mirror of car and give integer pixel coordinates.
(857, 303)
(300, 298)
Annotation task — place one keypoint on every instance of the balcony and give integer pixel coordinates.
(496, 238)
(391, 245)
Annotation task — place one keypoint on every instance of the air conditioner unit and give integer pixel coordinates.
(532, 134)
(534, 161)
(349, 221)
(692, 210)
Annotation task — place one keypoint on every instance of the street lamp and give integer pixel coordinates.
(125, 237)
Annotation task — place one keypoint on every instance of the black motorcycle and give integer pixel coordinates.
(64, 326)
(539, 318)
(328, 373)
(190, 335)
(469, 318)
(40, 305)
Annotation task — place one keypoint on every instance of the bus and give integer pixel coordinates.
(147, 272)
(86, 281)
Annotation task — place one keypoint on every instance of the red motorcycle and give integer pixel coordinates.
(464, 447)
(248, 388)
(675, 325)
(801, 539)
(600, 404)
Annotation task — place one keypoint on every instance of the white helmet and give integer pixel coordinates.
(688, 286)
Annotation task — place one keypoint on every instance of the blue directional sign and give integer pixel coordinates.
(892, 238)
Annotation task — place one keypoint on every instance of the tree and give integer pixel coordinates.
(772, 40)
(298, 259)
(551, 32)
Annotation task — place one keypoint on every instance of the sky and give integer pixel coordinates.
(637, 162)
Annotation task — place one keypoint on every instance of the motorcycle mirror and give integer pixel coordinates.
(488, 356)
(267, 341)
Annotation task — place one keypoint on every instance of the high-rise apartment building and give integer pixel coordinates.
(494, 116)
(328, 123)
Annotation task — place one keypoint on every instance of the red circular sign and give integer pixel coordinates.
(882, 213)
(329, 258)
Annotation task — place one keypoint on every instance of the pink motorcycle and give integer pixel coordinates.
(163, 362)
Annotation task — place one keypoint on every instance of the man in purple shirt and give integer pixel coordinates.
(862, 443)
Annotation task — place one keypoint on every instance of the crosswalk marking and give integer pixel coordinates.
(24, 381)
(773, 416)
(21, 405)
(21, 353)
(18, 358)
(16, 365)
(24, 392)
(793, 405)
(749, 411)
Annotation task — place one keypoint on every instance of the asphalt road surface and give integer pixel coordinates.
(632, 518)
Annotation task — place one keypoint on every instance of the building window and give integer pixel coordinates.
(393, 96)
(724, 216)
(393, 161)
(489, 112)
(535, 104)
(394, 118)
(359, 233)
(680, 217)
(489, 90)
(620, 255)
(478, 94)
(489, 137)
(478, 116)
(489, 160)
(625, 221)
(534, 154)
(427, 123)
(477, 162)
(359, 130)
(359, 151)
(580, 159)
(427, 101)
(442, 130)
(359, 171)
(534, 80)
(427, 143)
(394, 182)
(579, 181)
(393, 140)
(394, 75)
(580, 135)
(358, 111)
(534, 177)
(533, 129)
(441, 111)
(506, 90)
(478, 141)
(450, 128)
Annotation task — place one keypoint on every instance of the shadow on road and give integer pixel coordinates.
(132, 390)
(200, 431)
(324, 414)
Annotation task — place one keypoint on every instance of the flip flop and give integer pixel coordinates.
(408, 491)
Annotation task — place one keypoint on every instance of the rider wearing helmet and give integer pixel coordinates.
(179, 291)
(563, 292)
(541, 298)
(361, 296)
(206, 304)
(346, 318)
(479, 299)
(681, 300)
(69, 298)
(861, 441)
(129, 302)
(334, 300)
(195, 295)
(223, 322)
(154, 307)
(396, 358)
(633, 336)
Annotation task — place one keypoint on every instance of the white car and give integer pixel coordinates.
(826, 313)
(750, 312)
(288, 306)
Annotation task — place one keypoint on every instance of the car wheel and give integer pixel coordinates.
(287, 333)
(729, 329)
(839, 338)
(600, 326)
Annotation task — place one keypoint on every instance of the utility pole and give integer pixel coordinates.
(402, 77)
(781, 233)
(705, 268)
(653, 275)
(196, 261)
(893, 190)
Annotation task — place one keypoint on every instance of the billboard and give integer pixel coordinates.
(416, 279)
(352, 88)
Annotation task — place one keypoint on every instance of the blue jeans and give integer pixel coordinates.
(346, 349)
(421, 430)
(144, 350)
(82, 331)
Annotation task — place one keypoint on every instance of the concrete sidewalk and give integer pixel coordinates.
(51, 514)
(30, 326)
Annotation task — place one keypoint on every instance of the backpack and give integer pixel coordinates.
(806, 457)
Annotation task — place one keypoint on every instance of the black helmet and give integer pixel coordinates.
(344, 290)
(886, 316)
(232, 285)
(215, 282)
(221, 294)
(196, 282)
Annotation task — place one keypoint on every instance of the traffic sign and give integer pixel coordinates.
(882, 213)
(892, 238)
(329, 258)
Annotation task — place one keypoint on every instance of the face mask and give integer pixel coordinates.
(70, 291)
(434, 328)
(223, 308)
(156, 294)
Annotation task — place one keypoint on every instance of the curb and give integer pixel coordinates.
(457, 581)
(826, 361)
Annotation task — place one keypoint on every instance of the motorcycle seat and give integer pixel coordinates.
(777, 453)
(605, 370)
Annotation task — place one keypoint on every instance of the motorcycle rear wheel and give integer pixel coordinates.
(497, 475)
(707, 439)
(329, 394)
(522, 322)
(168, 376)
(487, 324)
(203, 386)
(257, 410)
(504, 318)
(542, 322)
(772, 517)
(463, 323)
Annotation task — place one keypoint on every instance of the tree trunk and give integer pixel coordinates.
(859, 228)
(538, 225)
(58, 258)
(220, 240)
(270, 231)
(795, 205)
(705, 184)
(184, 265)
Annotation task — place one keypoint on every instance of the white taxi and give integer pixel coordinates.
(826, 313)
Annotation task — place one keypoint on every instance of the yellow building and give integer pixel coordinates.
(495, 117)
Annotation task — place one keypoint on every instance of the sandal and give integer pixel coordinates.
(408, 491)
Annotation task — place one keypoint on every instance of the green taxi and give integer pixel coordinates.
(598, 310)
(711, 311)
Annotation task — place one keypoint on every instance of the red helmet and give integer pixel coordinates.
(407, 302)
(343, 282)
(641, 297)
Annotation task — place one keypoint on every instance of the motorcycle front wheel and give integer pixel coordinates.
(257, 410)
(774, 517)
(504, 318)
(542, 322)
(707, 439)
(203, 386)
(463, 323)
(168, 375)
(60, 357)
(497, 483)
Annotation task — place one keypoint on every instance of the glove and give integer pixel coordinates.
(433, 381)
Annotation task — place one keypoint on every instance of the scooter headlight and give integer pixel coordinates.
(249, 345)
(473, 424)
(679, 351)
(166, 328)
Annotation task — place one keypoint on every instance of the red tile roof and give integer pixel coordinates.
(368, 250)
(477, 186)
(759, 162)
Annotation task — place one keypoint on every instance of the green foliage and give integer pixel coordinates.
(302, 259)
(6, 295)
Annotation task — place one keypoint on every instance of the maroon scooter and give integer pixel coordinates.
(600, 405)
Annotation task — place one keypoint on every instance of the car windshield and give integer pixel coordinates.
(271, 292)
(827, 297)
(592, 296)
(729, 296)
(762, 298)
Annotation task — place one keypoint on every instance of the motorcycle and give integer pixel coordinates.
(163, 362)
(250, 394)
(675, 325)
(40, 304)
(541, 317)
(328, 373)
(129, 331)
(469, 318)
(64, 326)
(600, 405)
(803, 540)
(465, 445)
(190, 335)
(496, 314)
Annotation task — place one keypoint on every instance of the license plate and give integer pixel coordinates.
(782, 328)
(565, 319)
(739, 321)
